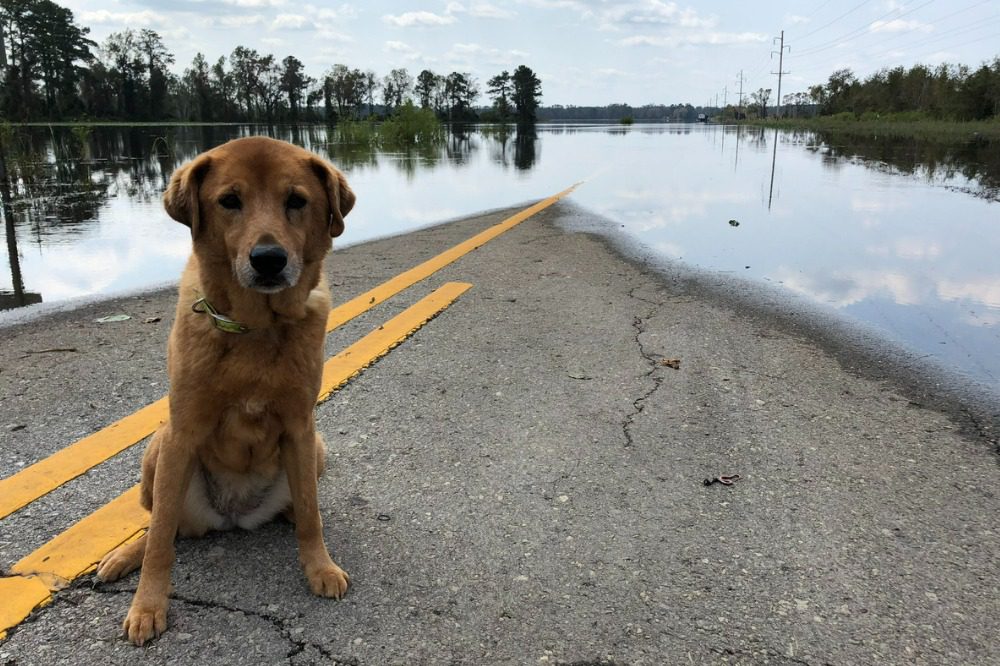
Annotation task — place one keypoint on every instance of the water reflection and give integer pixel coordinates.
(879, 229)
(76, 188)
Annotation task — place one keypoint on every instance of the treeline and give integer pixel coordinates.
(52, 70)
(680, 113)
(946, 92)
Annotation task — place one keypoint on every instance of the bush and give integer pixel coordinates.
(357, 131)
(410, 126)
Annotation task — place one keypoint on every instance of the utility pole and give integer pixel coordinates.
(781, 60)
(741, 80)
(725, 96)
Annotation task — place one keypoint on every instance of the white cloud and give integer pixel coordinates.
(143, 19)
(327, 14)
(466, 53)
(899, 25)
(291, 22)
(403, 50)
(239, 21)
(255, 3)
(795, 19)
(486, 10)
(656, 12)
(695, 39)
(412, 19)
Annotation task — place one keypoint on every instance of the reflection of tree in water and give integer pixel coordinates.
(525, 147)
(521, 139)
(53, 191)
(976, 160)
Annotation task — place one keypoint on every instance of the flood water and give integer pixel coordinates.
(899, 235)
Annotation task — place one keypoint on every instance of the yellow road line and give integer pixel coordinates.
(43, 477)
(393, 286)
(48, 474)
(72, 553)
(20, 596)
(350, 362)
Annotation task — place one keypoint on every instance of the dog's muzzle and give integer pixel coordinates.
(270, 269)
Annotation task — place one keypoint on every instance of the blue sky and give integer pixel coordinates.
(584, 51)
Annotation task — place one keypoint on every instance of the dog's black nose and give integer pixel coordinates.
(268, 260)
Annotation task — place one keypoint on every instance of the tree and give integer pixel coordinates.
(127, 71)
(370, 84)
(461, 91)
(294, 83)
(157, 58)
(427, 81)
(527, 93)
(759, 100)
(46, 47)
(396, 87)
(499, 88)
(346, 89)
(257, 80)
(197, 80)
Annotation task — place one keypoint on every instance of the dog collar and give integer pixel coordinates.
(222, 322)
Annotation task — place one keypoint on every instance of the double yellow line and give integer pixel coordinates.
(75, 551)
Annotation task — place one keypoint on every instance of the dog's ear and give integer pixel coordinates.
(181, 198)
(338, 193)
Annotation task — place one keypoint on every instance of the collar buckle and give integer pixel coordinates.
(221, 321)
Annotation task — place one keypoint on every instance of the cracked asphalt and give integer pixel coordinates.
(522, 480)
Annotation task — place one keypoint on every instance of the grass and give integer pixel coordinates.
(893, 125)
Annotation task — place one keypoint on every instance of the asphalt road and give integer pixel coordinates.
(521, 482)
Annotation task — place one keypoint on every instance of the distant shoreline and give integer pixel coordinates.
(943, 130)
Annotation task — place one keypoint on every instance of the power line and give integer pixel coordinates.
(867, 26)
(826, 25)
(962, 30)
(906, 33)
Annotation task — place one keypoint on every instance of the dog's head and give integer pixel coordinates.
(264, 206)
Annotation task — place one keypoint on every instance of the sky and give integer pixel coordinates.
(586, 52)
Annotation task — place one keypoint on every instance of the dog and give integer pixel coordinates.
(245, 359)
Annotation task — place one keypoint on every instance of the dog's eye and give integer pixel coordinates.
(295, 202)
(231, 202)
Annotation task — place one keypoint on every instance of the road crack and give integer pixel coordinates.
(639, 404)
(297, 644)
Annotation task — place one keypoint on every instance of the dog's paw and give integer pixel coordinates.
(145, 622)
(328, 581)
(114, 565)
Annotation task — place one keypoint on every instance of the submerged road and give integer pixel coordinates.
(521, 480)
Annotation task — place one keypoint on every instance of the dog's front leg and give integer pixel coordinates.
(298, 454)
(147, 617)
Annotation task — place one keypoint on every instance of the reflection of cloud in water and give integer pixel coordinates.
(881, 205)
(984, 290)
(669, 249)
(110, 265)
(427, 215)
(665, 208)
(847, 288)
(907, 248)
